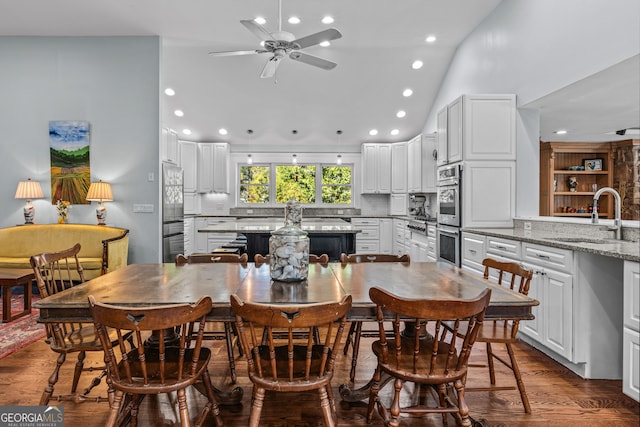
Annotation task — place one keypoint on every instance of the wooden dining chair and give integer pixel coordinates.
(518, 279)
(355, 329)
(229, 333)
(140, 370)
(423, 355)
(54, 273)
(323, 259)
(294, 365)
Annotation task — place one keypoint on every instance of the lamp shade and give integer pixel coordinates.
(100, 192)
(29, 190)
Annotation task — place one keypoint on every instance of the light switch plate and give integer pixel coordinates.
(142, 208)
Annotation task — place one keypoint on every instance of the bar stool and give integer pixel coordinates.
(222, 250)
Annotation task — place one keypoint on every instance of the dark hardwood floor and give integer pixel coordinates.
(558, 397)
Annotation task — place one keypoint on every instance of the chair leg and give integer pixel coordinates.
(230, 355)
(256, 407)
(78, 371)
(463, 409)
(394, 410)
(115, 408)
(373, 393)
(492, 372)
(519, 382)
(355, 348)
(53, 379)
(325, 404)
(352, 329)
(185, 420)
(211, 406)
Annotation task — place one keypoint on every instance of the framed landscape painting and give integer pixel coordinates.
(70, 168)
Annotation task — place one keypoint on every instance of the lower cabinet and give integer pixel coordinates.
(208, 242)
(419, 247)
(473, 252)
(188, 236)
(631, 332)
(376, 235)
(401, 237)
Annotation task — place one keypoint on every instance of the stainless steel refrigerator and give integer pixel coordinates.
(172, 212)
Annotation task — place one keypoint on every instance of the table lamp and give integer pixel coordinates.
(29, 190)
(100, 192)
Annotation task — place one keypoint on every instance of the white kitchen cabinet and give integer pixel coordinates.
(399, 167)
(554, 317)
(207, 242)
(432, 243)
(192, 203)
(398, 204)
(488, 194)
(401, 237)
(189, 237)
(631, 331)
(419, 247)
(441, 135)
(473, 252)
(376, 235)
(376, 168)
(421, 165)
(189, 164)
(205, 166)
(454, 130)
(386, 236)
(213, 167)
(169, 146)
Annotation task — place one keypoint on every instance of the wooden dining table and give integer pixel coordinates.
(143, 285)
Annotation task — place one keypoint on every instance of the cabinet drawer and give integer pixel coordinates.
(368, 233)
(503, 247)
(365, 221)
(431, 231)
(367, 247)
(473, 248)
(546, 256)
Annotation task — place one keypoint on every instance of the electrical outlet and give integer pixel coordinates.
(249, 211)
(340, 212)
(151, 177)
(527, 226)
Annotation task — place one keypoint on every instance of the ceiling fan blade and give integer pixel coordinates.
(237, 52)
(312, 60)
(257, 29)
(317, 38)
(270, 67)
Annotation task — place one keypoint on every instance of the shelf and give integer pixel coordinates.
(567, 172)
(574, 193)
(581, 215)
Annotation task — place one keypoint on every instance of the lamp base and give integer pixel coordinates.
(29, 214)
(101, 215)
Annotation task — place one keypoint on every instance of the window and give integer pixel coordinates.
(310, 184)
(254, 184)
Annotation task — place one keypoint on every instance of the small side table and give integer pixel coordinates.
(10, 277)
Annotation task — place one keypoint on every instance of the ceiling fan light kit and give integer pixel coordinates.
(281, 44)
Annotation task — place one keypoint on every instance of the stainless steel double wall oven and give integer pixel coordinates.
(449, 213)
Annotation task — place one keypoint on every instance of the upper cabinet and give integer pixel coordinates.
(213, 167)
(421, 165)
(399, 167)
(189, 162)
(477, 127)
(169, 146)
(376, 168)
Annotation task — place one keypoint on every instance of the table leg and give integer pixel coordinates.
(6, 304)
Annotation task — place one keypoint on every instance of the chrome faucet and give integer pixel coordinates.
(617, 222)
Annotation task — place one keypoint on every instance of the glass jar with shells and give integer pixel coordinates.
(289, 247)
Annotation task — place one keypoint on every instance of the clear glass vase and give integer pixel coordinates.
(289, 254)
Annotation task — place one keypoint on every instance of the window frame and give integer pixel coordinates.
(272, 185)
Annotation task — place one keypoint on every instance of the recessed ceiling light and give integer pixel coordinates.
(262, 43)
(327, 20)
(373, 132)
(417, 65)
(169, 92)
(260, 20)
(395, 132)
(407, 92)
(222, 131)
(560, 132)
(179, 113)
(400, 114)
(294, 20)
(186, 131)
(430, 39)
(325, 43)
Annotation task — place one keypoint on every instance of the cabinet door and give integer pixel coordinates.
(220, 168)
(631, 363)
(489, 127)
(188, 236)
(632, 295)
(454, 130)
(384, 168)
(399, 167)
(428, 169)
(369, 165)
(386, 236)
(473, 252)
(442, 137)
(533, 328)
(169, 146)
(558, 312)
(205, 166)
(414, 165)
(398, 204)
(200, 239)
(488, 194)
(189, 164)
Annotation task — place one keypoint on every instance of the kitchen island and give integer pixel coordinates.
(330, 236)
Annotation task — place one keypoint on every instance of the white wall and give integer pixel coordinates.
(533, 48)
(113, 83)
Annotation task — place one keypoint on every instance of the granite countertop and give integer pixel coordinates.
(623, 249)
(266, 225)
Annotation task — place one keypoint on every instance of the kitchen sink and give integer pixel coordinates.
(577, 240)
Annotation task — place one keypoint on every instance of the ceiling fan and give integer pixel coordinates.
(282, 43)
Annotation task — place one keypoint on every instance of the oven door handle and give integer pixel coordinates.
(449, 232)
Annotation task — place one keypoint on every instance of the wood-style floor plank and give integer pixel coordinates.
(558, 397)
